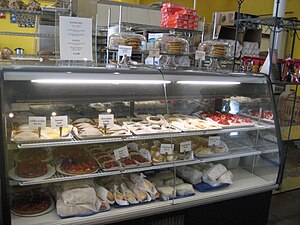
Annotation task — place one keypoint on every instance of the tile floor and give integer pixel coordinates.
(285, 209)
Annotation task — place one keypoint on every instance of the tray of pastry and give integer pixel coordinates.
(226, 120)
(150, 125)
(23, 135)
(90, 130)
(190, 123)
(203, 150)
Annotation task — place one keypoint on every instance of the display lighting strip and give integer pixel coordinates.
(208, 82)
(82, 81)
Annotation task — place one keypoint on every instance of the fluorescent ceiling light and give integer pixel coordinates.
(82, 81)
(207, 82)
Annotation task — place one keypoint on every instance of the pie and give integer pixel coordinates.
(31, 169)
(37, 154)
(79, 165)
(30, 203)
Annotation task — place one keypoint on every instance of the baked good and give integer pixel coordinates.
(79, 165)
(175, 47)
(166, 192)
(4, 3)
(128, 162)
(76, 152)
(5, 53)
(30, 203)
(184, 189)
(110, 165)
(44, 52)
(158, 158)
(37, 154)
(31, 169)
(135, 43)
(26, 136)
(139, 158)
(33, 5)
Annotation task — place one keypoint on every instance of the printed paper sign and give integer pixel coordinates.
(75, 36)
(124, 50)
(200, 55)
(214, 140)
(167, 148)
(36, 122)
(59, 121)
(121, 153)
(185, 146)
(106, 119)
(153, 52)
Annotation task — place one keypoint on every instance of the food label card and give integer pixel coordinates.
(185, 146)
(106, 119)
(59, 121)
(125, 50)
(153, 52)
(214, 140)
(200, 55)
(121, 153)
(36, 122)
(167, 148)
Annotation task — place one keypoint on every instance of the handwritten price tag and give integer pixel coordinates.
(200, 55)
(214, 140)
(106, 119)
(59, 121)
(121, 153)
(125, 50)
(185, 146)
(36, 122)
(167, 148)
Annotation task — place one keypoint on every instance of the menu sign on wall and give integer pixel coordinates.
(75, 35)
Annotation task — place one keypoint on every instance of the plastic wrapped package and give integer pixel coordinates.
(119, 197)
(142, 196)
(184, 189)
(79, 196)
(144, 185)
(166, 192)
(190, 174)
(226, 178)
(104, 194)
(156, 181)
(165, 175)
(129, 195)
(216, 171)
(170, 182)
(64, 210)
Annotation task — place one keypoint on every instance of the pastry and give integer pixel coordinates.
(170, 182)
(110, 165)
(184, 189)
(44, 52)
(31, 203)
(158, 158)
(5, 53)
(26, 136)
(33, 5)
(77, 166)
(166, 192)
(139, 158)
(31, 169)
(37, 154)
(155, 120)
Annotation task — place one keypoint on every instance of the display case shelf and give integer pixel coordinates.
(243, 181)
(58, 177)
(143, 137)
(27, 34)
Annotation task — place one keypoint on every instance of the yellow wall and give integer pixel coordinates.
(12, 42)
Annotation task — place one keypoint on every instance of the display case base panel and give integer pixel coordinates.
(245, 183)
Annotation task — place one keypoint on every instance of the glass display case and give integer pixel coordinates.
(98, 146)
(136, 41)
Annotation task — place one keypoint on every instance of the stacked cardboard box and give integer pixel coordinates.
(178, 16)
